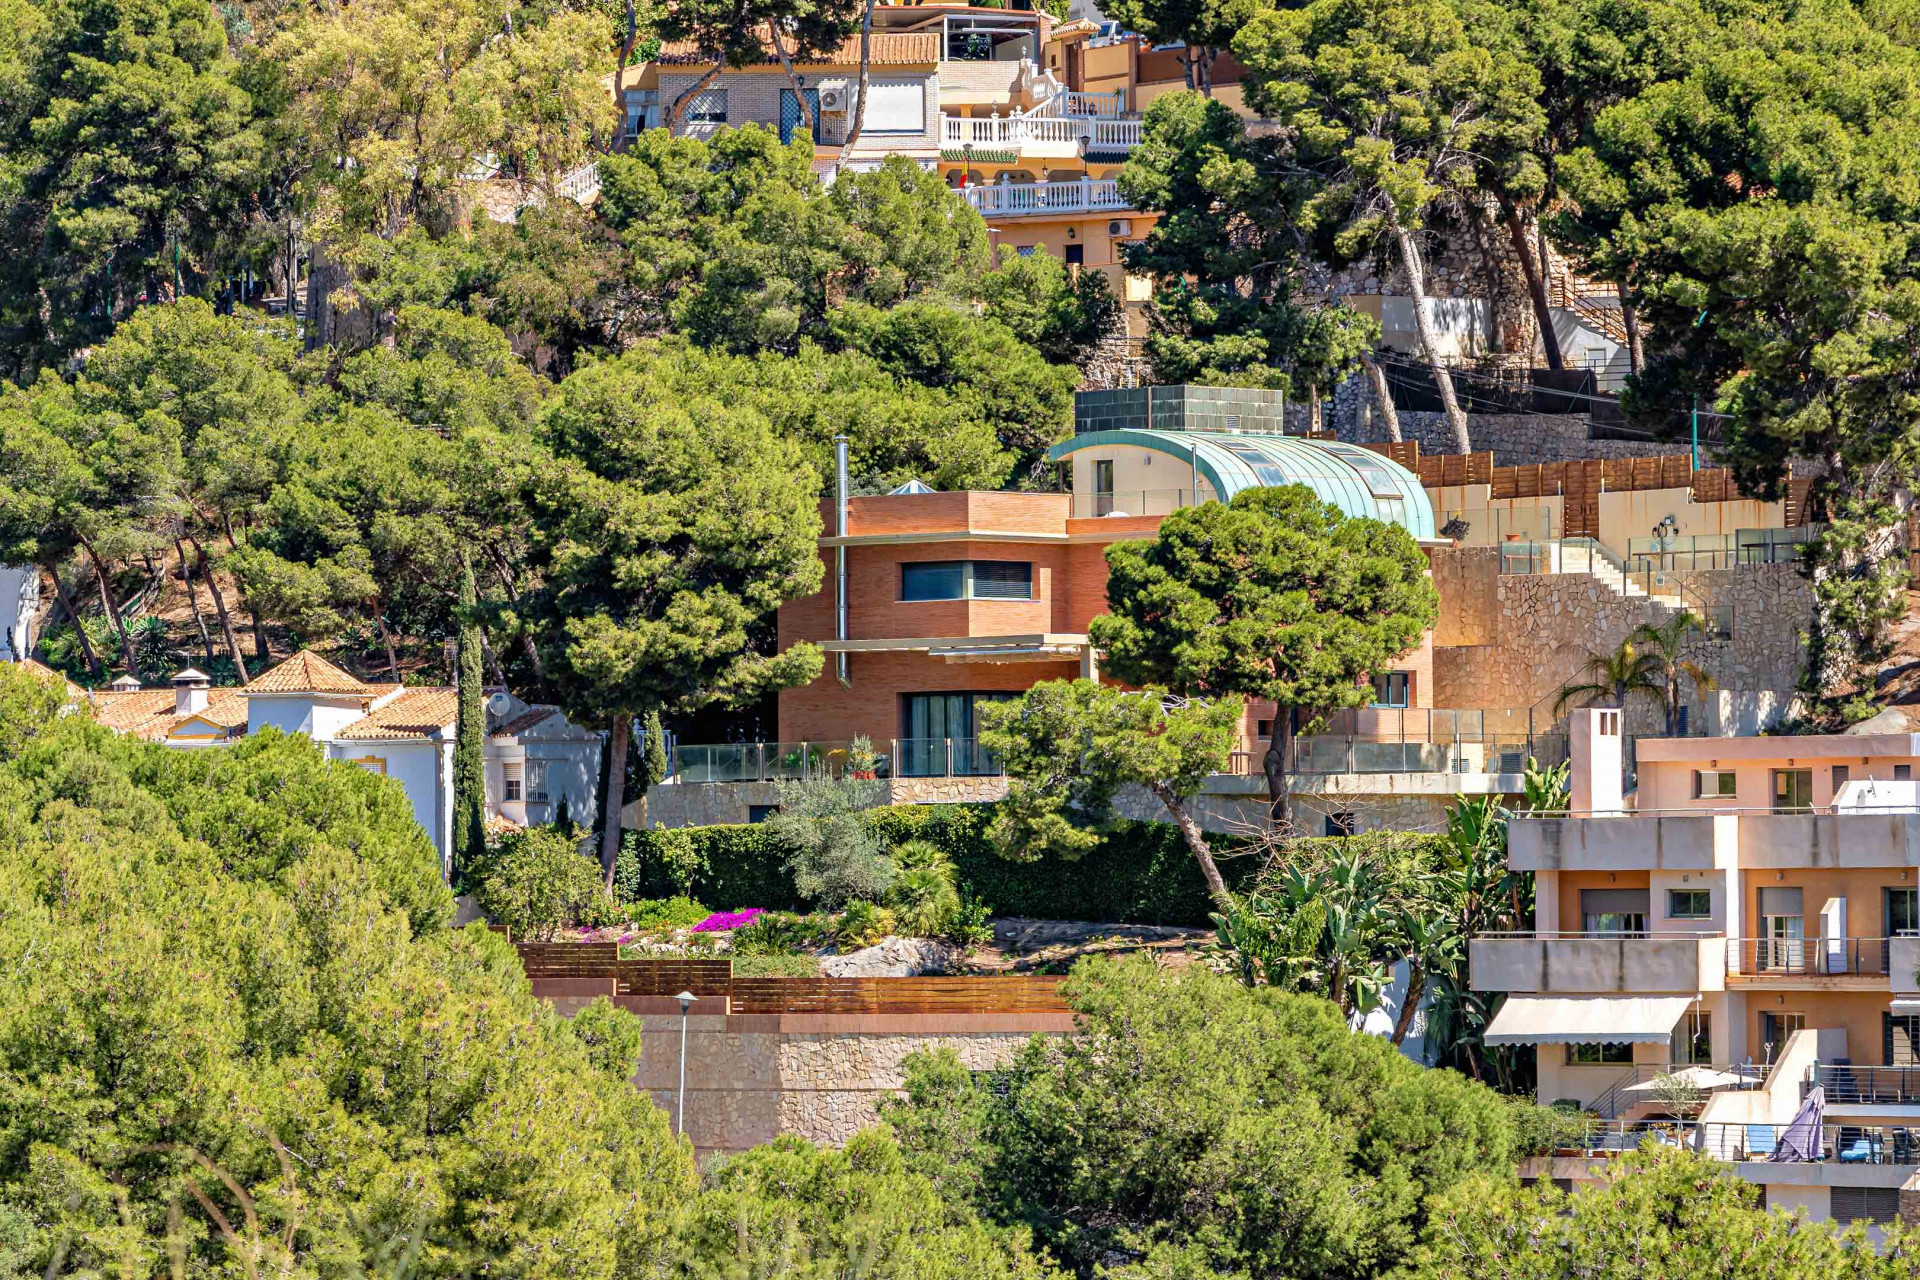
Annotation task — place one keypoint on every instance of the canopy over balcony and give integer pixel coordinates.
(1587, 1019)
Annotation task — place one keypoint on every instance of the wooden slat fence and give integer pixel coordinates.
(1022, 993)
(1579, 481)
(1011, 994)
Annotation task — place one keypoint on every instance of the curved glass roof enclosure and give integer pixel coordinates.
(1358, 481)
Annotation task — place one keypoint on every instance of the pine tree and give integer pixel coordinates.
(469, 759)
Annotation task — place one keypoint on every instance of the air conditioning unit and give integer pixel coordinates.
(833, 99)
(1120, 227)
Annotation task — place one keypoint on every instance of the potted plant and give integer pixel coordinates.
(862, 764)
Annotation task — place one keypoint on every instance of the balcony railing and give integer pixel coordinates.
(801, 761)
(1010, 131)
(1840, 1143)
(1864, 1086)
(1084, 196)
(1635, 1086)
(1809, 957)
(1136, 502)
(1550, 962)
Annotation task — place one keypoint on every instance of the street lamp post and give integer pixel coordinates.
(687, 1000)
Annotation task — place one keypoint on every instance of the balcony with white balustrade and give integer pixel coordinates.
(1043, 199)
(1054, 131)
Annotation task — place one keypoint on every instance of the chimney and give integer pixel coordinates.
(1594, 750)
(190, 692)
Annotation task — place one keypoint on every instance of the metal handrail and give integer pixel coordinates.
(1815, 957)
(1608, 935)
(1721, 811)
(1841, 1141)
(1846, 1084)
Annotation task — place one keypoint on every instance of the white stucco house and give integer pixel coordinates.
(535, 757)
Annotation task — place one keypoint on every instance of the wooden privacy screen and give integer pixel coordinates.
(1012, 994)
(1579, 482)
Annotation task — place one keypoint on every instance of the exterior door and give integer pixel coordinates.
(1774, 1030)
(791, 119)
(1783, 930)
(1793, 790)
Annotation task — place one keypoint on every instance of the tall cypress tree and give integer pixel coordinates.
(469, 750)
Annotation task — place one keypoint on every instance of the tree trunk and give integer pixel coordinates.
(220, 607)
(1630, 319)
(262, 651)
(786, 64)
(1536, 286)
(1384, 394)
(492, 659)
(386, 638)
(1274, 765)
(1206, 73)
(193, 600)
(1417, 281)
(1313, 410)
(526, 638)
(113, 615)
(1196, 844)
(620, 90)
(1416, 982)
(687, 95)
(610, 803)
(80, 632)
(866, 65)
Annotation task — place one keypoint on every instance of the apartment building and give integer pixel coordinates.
(961, 90)
(1749, 915)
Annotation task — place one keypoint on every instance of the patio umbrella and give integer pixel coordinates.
(1801, 1140)
(1693, 1077)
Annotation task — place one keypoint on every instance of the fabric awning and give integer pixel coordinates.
(1587, 1019)
(1905, 1004)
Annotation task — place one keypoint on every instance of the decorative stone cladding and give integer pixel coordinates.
(1515, 439)
(1543, 627)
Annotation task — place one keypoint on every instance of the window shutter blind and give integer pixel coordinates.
(1594, 902)
(896, 106)
(1782, 902)
(1002, 580)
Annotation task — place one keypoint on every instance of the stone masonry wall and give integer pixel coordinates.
(1544, 626)
(751, 1077)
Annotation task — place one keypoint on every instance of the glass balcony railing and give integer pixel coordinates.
(943, 758)
(800, 761)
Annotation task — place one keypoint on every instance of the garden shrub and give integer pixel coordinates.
(1140, 873)
(538, 882)
(864, 924)
(664, 913)
(923, 902)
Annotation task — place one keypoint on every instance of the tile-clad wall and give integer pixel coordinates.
(1178, 408)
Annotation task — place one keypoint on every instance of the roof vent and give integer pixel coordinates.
(911, 486)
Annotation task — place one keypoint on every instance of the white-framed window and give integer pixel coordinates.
(512, 784)
(537, 781)
(1712, 784)
(896, 106)
(709, 106)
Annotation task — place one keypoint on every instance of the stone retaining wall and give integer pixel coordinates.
(751, 1077)
(1544, 626)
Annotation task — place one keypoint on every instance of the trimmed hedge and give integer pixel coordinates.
(1140, 874)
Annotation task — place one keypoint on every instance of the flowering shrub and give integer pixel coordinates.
(722, 920)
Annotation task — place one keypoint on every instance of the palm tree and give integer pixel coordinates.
(1617, 676)
(1663, 645)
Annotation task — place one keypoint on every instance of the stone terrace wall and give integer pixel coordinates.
(751, 1077)
(1544, 626)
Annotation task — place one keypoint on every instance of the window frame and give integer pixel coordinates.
(1385, 702)
(1728, 785)
(534, 781)
(1785, 804)
(694, 113)
(1690, 915)
(968, 578)
(513, 784)
(1602, 1054)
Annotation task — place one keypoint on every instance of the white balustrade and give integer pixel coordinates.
(1017, 130)
(1085, 196)
(580, 185)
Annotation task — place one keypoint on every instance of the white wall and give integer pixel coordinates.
(317, 717)
(417, 765)
(19, 607)
(1145, 481)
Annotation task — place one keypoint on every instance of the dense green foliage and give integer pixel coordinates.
(1669, 1215)
(537, 882)
(235, 1027)
(1138, 872)
(1151, 1140)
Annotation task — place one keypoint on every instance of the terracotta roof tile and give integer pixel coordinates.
(307, 672)
(46, 672)
(150, 713)
(417, 713)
